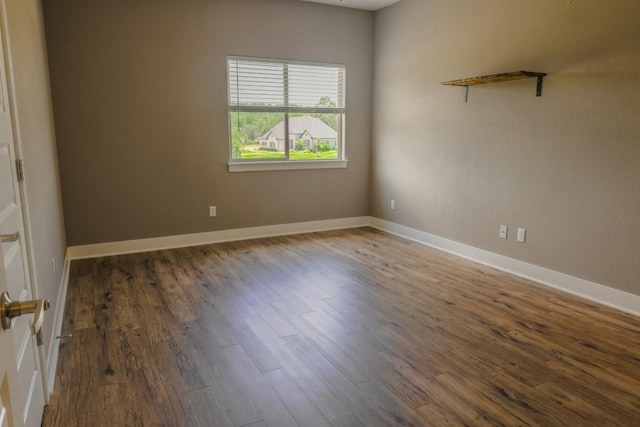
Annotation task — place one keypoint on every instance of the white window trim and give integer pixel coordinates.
(238, 165)
(273, 165)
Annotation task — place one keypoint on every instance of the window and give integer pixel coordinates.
(285, 112)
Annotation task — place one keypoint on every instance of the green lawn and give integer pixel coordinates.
(293, 155)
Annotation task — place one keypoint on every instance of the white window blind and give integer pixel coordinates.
(268, 85)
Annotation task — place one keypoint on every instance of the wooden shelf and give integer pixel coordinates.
(496, 78)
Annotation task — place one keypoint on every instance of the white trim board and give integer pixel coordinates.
(253, 166)
(54, 341)
(185, 240)
(611, 297)
(596, 292)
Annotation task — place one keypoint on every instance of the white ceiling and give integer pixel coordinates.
(358, 4)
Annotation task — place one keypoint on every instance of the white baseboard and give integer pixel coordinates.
(58, 317)
(611, 297)
(172, 242)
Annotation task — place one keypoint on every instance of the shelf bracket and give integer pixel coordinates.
(539, 86)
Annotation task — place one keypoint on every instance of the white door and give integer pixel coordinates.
(21, 390)
(8, 374)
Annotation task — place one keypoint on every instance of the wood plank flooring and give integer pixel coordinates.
(344, 328)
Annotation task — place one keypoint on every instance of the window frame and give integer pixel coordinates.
(286, 163)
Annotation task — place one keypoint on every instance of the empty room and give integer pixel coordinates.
(320, 213)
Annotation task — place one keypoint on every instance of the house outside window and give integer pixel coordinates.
(286, 112)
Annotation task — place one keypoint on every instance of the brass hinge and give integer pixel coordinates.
(20, 170)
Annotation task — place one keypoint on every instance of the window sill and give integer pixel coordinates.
(286, 165)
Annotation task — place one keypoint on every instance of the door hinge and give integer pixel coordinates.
(20, 170)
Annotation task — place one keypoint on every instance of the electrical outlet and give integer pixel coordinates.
(393, 204)
(212, 211)
(503, 231)
(521, 234)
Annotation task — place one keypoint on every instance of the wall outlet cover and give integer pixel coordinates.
(521, 234)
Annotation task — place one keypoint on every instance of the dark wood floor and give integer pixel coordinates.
(344, 328)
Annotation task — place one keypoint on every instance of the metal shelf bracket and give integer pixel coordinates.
(539, 86)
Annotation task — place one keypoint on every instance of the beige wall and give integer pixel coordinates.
(139, 90)
(565, 166)
(37, 148)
